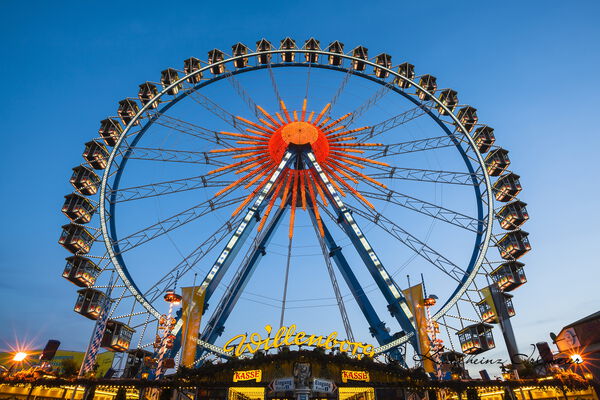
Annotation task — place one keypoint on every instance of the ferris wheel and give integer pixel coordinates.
(317, 159)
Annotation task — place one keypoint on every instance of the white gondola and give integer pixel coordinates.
(78, 209)
(215, 56)
(191, 65)
(127, 110)
(168, 77)
(449, 98)
(262, 46)
(475, 339)
(110, 130)
(95, 154)
(288, 44)
(311, 44)
(384, 60)
(514, 245)
(240, 50)
(81, 271)
(117, 336)
(90, 302)
(148, 91)
(337, 48)
(361, 53)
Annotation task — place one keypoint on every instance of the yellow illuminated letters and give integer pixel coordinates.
(287, 336)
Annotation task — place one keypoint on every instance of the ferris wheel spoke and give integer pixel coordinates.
(327, 254)
(391, 291)
(242, 93)
(166, 187)
(144, 325)
(234, 291)
(432, 143)
(274, 83)
(169, 224)
(461, 318)
(427, 175)
(191, 260)
(370, 102)
(171, 155)
(193, 130)
(412, 242)
(397, 120)
(340, 89)
(132, 314)
(216, 109)
(426, 208)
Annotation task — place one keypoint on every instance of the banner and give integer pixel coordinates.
(193, 306)
(416, 303)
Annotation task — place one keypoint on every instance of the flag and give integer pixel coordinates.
(193, 306)
(416, 303)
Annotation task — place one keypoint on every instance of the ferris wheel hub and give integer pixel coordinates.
(299, 132)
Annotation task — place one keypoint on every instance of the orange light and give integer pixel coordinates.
(263, 149)
(299, 132)
(20, 356)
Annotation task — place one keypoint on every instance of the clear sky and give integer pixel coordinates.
(531, 69)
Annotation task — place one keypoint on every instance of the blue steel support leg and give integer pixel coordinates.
(214, 276)
(376, 325)
(236, 241)
(397, 304)
(215, 326)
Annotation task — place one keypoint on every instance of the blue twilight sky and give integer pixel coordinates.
(530, 68)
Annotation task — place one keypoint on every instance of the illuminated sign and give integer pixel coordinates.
(253, 374)
(355, 375)
(287, 336)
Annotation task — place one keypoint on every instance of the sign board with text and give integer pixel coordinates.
(282, 385)
(251, 375)
(323, 386)
(348, 375)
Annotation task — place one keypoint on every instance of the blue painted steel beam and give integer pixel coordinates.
(216, 325)
(397, 304)
(376, 325)
(234, 244)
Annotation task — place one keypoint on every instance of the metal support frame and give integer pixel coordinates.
(214, 276)
(397, 304)
(505, 326)
(334, 282)
(216, 324)
(377, 327)
(107, 215)
(115, 256)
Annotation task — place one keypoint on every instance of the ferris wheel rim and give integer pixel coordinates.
(480, 249)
